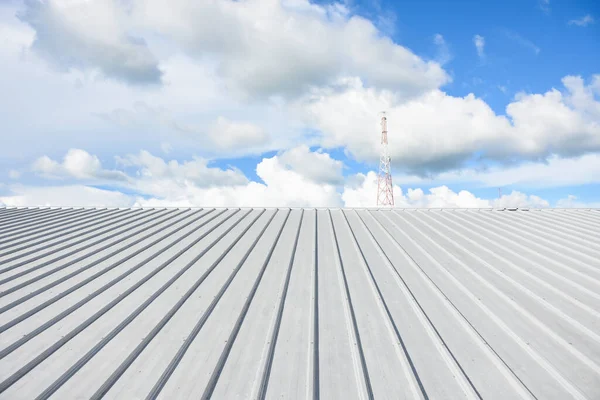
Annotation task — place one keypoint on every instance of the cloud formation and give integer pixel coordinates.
(260, 48)
(361, 195)
(479, 42)
(295, 178)
(65, 196)
(556, 172)
(228, 134)
(437, 132)
(318, 45)
(443, 55)
(77, 164)
(583, 21)
(523, 42)
(90, 35)
(317, 166)
(153, 171)
(240, 78)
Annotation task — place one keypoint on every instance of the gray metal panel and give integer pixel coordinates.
(299, 303)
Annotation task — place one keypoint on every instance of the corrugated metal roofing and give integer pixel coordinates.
(302, 303)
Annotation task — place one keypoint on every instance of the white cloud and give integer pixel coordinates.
(316, 166)
(335, 71)
(153, 172)
(260, 48)
(228, 134)
(479, 42)
(555, 172)
(518, 199)
(437, 132)
(270, 47)
(523, 42)
(78, 164)
(583, 21)
(297, 177)
(67, 196)
(443, 55)
(166, 147)
(572, 201)
(361, 194)
(287, 181)
(281, 187)
(217, 135)
(14, 174)
(90, 35)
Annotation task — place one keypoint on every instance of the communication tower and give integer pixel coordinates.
(385, 191)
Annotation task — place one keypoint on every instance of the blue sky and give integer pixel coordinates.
(276, 102)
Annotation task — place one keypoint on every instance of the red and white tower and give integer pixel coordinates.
(385, 191)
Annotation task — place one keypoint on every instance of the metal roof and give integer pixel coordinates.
(300, 303)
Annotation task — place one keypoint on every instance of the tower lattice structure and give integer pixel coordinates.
(385, 191)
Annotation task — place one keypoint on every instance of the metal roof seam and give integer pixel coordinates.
(69, 310)
(363, 363)
(410, 369)
(214, 377)
(82, 269)
(510, 375)
(264, 381)
(548, 245)
(299, 303)
(504, 327)
(49, 351)
(66, 247)
(98, 220)
(539, 267)
(441, 346)
(135, 353)
(46, 220)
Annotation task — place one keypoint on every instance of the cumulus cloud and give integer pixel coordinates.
(361, 194)
(479, 42)
(437, 132)
(228, 134)
(153, 170)
(90, 35)
(78, 164)
(518, 199)
(222, 134)
(316, 166)
(287, 180)
(265, 48)
(66, 196)
(298, 177)
(317, 76)
(555, 172)
(572, 201)
(583, 21)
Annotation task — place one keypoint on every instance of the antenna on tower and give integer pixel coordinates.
(385, 192)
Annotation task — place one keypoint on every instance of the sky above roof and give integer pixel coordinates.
(249, 103)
